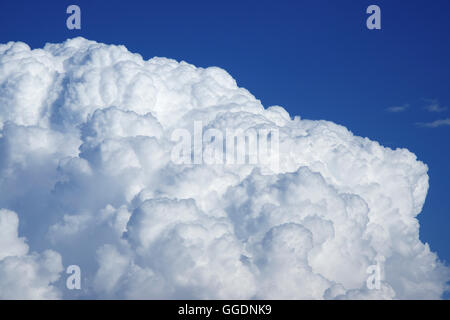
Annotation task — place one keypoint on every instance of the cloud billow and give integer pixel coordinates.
(87, 178)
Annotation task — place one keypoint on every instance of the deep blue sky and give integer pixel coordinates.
(315, 58)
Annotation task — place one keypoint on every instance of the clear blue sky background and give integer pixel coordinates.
(315, 58)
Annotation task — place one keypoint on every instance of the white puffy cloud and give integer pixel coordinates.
(86, 162)
(25, 275)
(10, 242)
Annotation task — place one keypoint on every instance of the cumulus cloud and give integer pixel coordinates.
(25, 275)
(86, 162)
